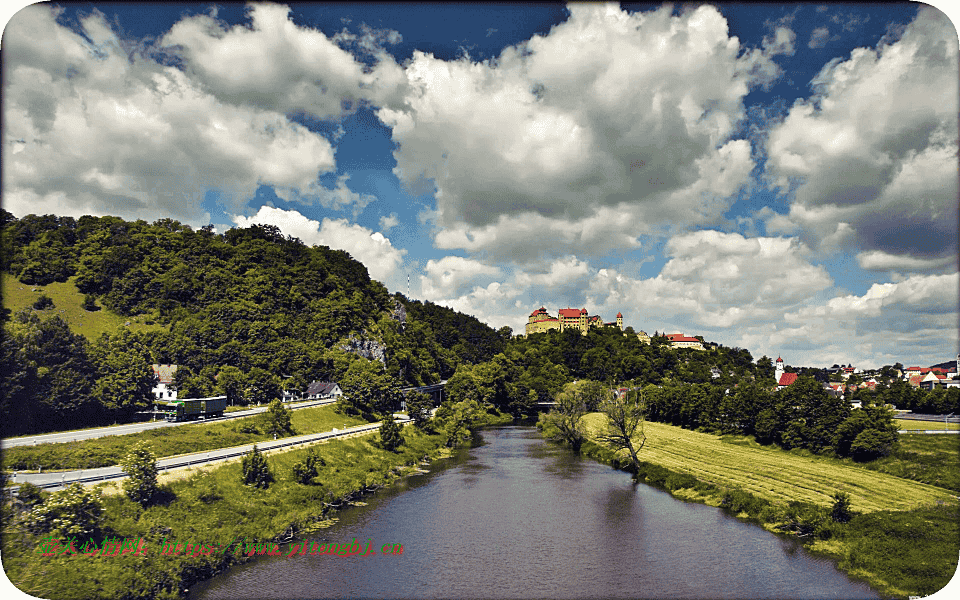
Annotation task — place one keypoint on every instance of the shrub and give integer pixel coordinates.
(678, 481)
(305, 470)
(74, 511)
(29, 494)
(738, 501)
(841, 508)
(141, 468)
(255, 470)
(90, 304)
(390, 436)
(43, 302)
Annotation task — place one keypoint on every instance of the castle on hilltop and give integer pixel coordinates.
(541, 321)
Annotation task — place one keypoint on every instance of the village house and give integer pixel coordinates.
(164, 374)
(320, 390)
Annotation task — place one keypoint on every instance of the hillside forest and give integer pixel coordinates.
(250, 312)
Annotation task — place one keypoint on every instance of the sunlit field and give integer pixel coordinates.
(777, 475)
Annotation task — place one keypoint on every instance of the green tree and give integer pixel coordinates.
(277, 419)
(140, 465)
(230, 383)
(624, 430)
(255, 470)
(305, 470)
(571, 405)
(90, 303)
(262, 386)
(125, 378)
(419, 406)
(390, 436)
(455, 420)
(368, 390)
(74, 512)
(43, 302)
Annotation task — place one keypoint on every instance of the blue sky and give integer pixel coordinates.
(779, 177)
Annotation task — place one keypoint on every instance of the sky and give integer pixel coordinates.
(776, 177)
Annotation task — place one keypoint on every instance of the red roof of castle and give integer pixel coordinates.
(571, 313)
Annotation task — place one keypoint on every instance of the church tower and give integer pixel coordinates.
(779, 372)
(620, 325)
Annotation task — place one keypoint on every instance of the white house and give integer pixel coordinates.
(319, 390)
(164, 374)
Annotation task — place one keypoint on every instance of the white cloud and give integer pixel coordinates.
(451, 275)
(875, 149)
(277, 65)
(375, 251)
(389, 222)
(94, 131)
(820, 36)
(552, 136)
(782, 42)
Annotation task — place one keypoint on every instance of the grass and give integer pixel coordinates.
(212, 507)
(67, 300)
(774, 474)
(924, 425)
(933, 459)
(166, 441)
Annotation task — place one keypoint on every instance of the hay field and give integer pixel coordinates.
(774, 474)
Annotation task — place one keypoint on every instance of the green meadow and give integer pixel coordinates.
(67, 301)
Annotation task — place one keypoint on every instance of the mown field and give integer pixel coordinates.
(923, 425)
(778, 476)
(66, 300)
(167, 441)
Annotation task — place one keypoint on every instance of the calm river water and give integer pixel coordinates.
(517, 517)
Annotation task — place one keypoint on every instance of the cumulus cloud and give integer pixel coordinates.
(451, 276)
(389, 222)
(554, 136)
(92, 128)
(875, 150)
(277, 65)
(718, 280)
(375, 251)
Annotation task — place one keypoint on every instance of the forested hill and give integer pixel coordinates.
(249, 304)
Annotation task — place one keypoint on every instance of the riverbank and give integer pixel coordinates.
(903, 538)
(213, 508)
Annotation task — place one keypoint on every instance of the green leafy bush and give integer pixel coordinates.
(305, 470)
(255, 470)
(141, 467)
(841, 508)
(75, 512)
(390, 437)
(43, 302)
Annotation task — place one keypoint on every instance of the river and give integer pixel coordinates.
(518, 517)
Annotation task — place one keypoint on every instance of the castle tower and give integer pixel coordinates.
(779, 372)
(620, 325)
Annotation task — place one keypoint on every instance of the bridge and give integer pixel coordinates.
(435, 391)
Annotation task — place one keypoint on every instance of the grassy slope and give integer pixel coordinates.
(166, 441)
(67, 299)
(778, 476)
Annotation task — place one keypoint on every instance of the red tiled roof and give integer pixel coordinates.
(915, 380)
(164, 373)
(619, 316)
(570, 313)
(787, 379)
(779, 359)
(680, 338)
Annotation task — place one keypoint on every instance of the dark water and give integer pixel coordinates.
(517, 517)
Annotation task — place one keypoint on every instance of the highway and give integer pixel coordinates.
(89, 434)
(59, 479)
